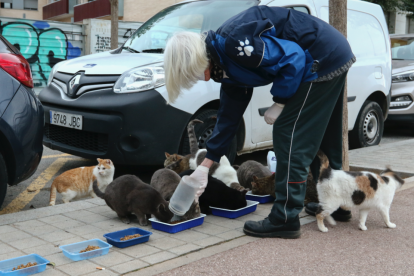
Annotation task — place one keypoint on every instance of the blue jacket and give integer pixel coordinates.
(264, 45)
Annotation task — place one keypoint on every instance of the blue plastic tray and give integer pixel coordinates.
(259, 198)
(72, 250)
(174, 228)
(114, 238)
(251, 207)
(7, 266)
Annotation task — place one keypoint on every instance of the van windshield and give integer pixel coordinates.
(402, 47)
(196, 17)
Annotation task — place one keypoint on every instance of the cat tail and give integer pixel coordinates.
(52, 199)
(325, 168)
(192, 136)
(97, 191)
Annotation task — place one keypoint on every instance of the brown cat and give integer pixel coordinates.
(179, 163)
(77, 183)
(165, 181)
(128, 194)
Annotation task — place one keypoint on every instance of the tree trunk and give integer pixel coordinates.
(338, 19)
(114, 24)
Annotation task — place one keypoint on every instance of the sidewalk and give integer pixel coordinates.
(219, 247)
(398, 155)
(43, 230)
(344, 250)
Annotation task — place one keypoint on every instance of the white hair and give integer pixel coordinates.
(185, 58)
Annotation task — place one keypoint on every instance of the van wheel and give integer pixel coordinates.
(3, 179)
(204, 132)
(369, 126)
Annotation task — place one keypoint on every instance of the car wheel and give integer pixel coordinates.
(204, 132)
(369, 126)
(3, 179)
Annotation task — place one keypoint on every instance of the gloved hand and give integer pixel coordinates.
(201, 176)
(273, 112)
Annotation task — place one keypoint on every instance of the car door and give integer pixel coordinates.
(261, 133)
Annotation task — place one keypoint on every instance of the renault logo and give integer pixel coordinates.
(73, 84)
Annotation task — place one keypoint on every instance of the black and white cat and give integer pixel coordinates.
(364, 190)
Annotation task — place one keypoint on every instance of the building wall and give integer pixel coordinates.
(142, 10)
(30, 14)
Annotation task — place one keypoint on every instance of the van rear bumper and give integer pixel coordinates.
(129, 129)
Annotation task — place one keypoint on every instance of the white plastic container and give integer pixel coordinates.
(183, 196)
(271, 161)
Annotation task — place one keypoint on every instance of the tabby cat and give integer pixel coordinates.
(251, 168)
(77, 183)
(165, 181)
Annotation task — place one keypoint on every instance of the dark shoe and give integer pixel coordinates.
(265, 229)
(338, 215)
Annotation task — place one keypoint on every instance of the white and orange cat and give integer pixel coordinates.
(77, 183)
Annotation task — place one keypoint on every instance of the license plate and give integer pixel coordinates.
(65, 119)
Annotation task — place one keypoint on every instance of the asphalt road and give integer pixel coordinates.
(34, 192)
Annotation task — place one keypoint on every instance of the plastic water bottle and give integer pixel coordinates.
(271, 161)
(183, 196)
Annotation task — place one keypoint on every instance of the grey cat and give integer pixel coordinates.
(165, 181)
(128, 194)
(251, 168)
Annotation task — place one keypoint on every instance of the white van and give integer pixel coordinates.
(86, 117)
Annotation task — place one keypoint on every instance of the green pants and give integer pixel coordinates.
(311, 120)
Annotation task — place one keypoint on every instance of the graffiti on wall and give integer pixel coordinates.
(42, 45)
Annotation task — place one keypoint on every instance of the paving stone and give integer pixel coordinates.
(68, 241)
(57, 236)
(100, 209)
(252, 217)
(105, 272)
(157, 234)
(92, 218)
(15, 235)
(307, 220)
(81, 230)
(11, 255)
(263, 212)
(59, 259)
(224, 222)
(53, 219)
(43, 250)
(140, 250)
(189, 236)
(6, 229)
(97, 201)
(107, 224)
(78, 214)
(230, 235)
(158, 257)
(70, 223)
(28, 224)
(26, 243)
(78, 268)
(111, 259)
(211, 229)
(129, 266)
(96, 235)
(184, 249)
(52, 272)
(4, 248)
(41, 230)
(82, 205)
(209, 241)
(166, 243)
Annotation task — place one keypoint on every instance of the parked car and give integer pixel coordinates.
(402, 88)
(113, 104)
(21, 119)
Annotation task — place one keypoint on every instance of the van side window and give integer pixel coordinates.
(301, 9)
(364, 30)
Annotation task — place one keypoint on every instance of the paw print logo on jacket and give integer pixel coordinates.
(244, 46)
